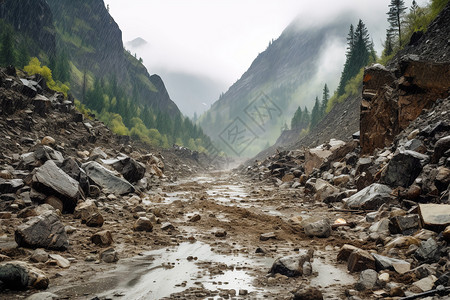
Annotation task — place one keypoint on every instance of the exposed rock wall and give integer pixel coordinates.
(394, 98)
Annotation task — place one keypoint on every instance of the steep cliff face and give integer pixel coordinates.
(93, 41)
(32, 18)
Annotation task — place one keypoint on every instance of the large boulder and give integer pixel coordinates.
(44, 153)
(317, 226)
(107, 179)
(51, 180)
(44, 231)
(17, 275)
(131, 169)
(292, 266)
(370, 198)
(404, 168)
(71, 167)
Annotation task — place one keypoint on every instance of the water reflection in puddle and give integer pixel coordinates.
(159, 273)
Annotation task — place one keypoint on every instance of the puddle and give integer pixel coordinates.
(227, 193)
(158, 274)
(329, 275)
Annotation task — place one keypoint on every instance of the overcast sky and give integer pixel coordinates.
(220, 38)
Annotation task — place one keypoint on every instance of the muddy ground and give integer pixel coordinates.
(215, 256)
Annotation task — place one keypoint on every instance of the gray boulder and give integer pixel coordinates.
(292, 266)
(384, 262)
(367, 280)
(44, 153)
(44, 231)
(51, 180)
(10, 186)
(371, 197)
(17, 275)
(131, 169)
(107, 179)
(404, 168)
(320, 227)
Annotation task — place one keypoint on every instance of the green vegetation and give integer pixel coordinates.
(395, 14)
(360, 53)
(34, 67)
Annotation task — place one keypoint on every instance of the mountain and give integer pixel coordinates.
(137, 42)
(93, 41)
(82, 45)
(290, 72)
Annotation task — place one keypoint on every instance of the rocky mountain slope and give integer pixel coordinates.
(281, 78)
(92, 42)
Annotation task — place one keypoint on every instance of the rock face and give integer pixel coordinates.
(370, 197)
(19, 275)
(49, 179)
(292, 266)
(390, 103)
(44, 231)
(106, 179)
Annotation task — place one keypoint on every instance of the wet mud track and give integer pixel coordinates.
(213, 248)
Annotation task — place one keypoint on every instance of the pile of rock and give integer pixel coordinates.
(51, 163)
(402, 189)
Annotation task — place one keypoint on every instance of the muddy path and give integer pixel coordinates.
(207, 243)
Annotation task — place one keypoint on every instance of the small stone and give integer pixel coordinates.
(360, 260)
(425, 284)
(367, 280)
(220, 233)
(384, 277)
(345, 252)
(167, 226)
(39, 256)
(102, 238)
(95, 220)
(195, 218)
(109, 256)
(320, 227)
(48, 140)
(428, 250)
(292, 266)
(60, 261)
(311, 293)
(267, 236)
(143, 224)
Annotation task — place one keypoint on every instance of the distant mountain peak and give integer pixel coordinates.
(137, 42)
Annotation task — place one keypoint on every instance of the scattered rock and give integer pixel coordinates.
(435, 216)
(267, 236)
(384, 262)
(404, 224)
(195, 218)
(404, 168)
(109, 256)
(106, 179)
(370, 198)
(428, 250)
(60, 261)
(367, 280)
(44, 231)
(39, 255)
(102, 238)
(345, 252)
(131, 170)
(360, 260)
(17, 275)
(143, 224)
(311, 293)
(51, 179)
(292, 266)
(167, 226)
(316, 226)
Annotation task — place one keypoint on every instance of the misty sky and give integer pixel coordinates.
(218, 39)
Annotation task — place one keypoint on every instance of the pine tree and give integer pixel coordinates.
(315, 113)
(395, 15)
(360, 52)
(325, 98)
(388, 44)
(297, 118)
(7, 55)
(23, 58)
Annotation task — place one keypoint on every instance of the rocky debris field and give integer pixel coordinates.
(399, 243)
